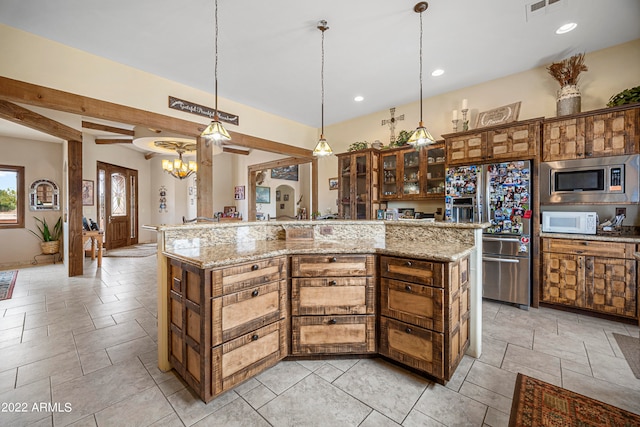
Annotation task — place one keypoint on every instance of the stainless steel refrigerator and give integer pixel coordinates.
(502, 198)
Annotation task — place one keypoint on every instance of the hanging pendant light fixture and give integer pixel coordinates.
(421, 135)
(215, 131)
(322, 147)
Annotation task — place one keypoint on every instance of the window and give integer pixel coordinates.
(11, 196)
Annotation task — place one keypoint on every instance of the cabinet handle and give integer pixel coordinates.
(581, 263)
(579, 154)
(254, 337)
(334, 259)
(408, 330)
(333, 321)
(255, 293)
(409, 264)
(589, 154)
(585, 243)
(254, 267)
(407, 288)
(579, 252)
(333, 283)
(266, 279)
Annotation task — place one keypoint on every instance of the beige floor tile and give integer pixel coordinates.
(418, 419)
(518, 356)
(487, 397)
(100, 310)
(495, 418)
(8, 379)
(46, 368)
(32, 351)
(613, 369)
(314, 402)
(191, 409)
(171, 385)
(560, 346)
(282, 376)
(328, 372)
(130, 349)
(461, 373)
(30, 308)
(9, 322)
(169, 421)
(513, 334)
(35, 334)
(142, 408)
(108, 337)
(25, 397)
(492, 378)
(259, 396)
(576, 367)
(493, 351)
(376, 419)
(385, 387)
(236, 414)
(437, 402)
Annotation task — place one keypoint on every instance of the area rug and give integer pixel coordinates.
(7, 281)
(630, 347)
(537, 403)
(140, 250)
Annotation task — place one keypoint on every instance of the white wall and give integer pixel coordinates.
(41, 160)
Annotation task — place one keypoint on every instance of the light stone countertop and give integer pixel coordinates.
(618, 238)
(228, 254)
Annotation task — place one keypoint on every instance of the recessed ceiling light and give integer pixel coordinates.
(359, 98)
(566, 28)
(437, 72)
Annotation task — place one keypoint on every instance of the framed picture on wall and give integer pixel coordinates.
(333, 183)
(239, 192)
(285, 172)
(87, 192)
(263, 194)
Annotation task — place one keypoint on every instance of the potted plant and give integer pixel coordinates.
(627, 96)
(567, 73)
(49, 237)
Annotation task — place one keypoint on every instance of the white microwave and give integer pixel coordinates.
(569, 222)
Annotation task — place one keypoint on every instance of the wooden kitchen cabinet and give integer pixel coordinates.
(226, 324)
(598, 276)
(606, 132)
(333, 304)
(358, 193)
(512, 141)
(424, 313)
(410, 174)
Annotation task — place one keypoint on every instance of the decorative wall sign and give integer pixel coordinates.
(201, 110)
(87, 192)
(286, 172)
(163, 199)
(497, 116)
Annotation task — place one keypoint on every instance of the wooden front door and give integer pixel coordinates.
(118, 205)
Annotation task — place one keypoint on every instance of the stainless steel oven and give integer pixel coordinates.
(506, 270)
(612, 179)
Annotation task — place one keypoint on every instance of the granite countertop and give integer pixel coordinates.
(602, 236)
(227, 254)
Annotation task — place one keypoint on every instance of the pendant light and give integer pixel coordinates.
(322, 147)
(215, 131)
(421, 135)
(178, 168)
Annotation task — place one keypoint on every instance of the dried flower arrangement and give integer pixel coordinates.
(567, 71)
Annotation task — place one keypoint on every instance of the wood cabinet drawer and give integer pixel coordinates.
(332, 265)
(233, 279)
(333, 334)
(333, 295)
(413, 346)
(588, 247)
(241, 312)
(247, 355)
(415, 271)
(415, 304)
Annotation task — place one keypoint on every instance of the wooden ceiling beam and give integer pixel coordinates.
(113, 141)
(26, 93)
(235, 151)
(22, 116)
(289, 161)
(106, 128)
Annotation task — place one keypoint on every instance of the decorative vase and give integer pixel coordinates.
(568, 101)
(49, 248)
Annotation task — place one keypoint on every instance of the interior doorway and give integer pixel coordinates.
(285, 202)
(117, 205)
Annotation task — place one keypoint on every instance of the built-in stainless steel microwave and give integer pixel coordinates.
(611, 179)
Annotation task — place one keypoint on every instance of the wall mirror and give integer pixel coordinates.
(44, 196)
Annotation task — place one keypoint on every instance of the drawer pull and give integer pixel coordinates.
(334, 259)
(409, 264)
(255, 293)
(254, 267)
(579, 252)
(407, 288)
(333, 283)
(333, 321)
(254, 337)
(266, 279)
(408, 330)
(585, 243)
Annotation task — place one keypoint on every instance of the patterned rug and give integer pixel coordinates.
(537, 403)
(630, 347)
(7, 281)
(139, 250)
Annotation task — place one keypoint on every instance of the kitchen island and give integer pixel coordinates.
(235, 299)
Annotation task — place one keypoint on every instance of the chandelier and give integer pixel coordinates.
(421, 135)
(322, 147)
(178, 168)
(215, 131)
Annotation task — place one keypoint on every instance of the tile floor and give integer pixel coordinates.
(83, 350)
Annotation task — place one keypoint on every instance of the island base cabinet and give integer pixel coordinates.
(246, 356)
(333, 334)
(412, 346)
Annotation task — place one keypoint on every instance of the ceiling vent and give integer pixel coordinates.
(543, 7)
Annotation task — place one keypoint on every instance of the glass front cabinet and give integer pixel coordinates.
(358, 184)
(410, 174)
